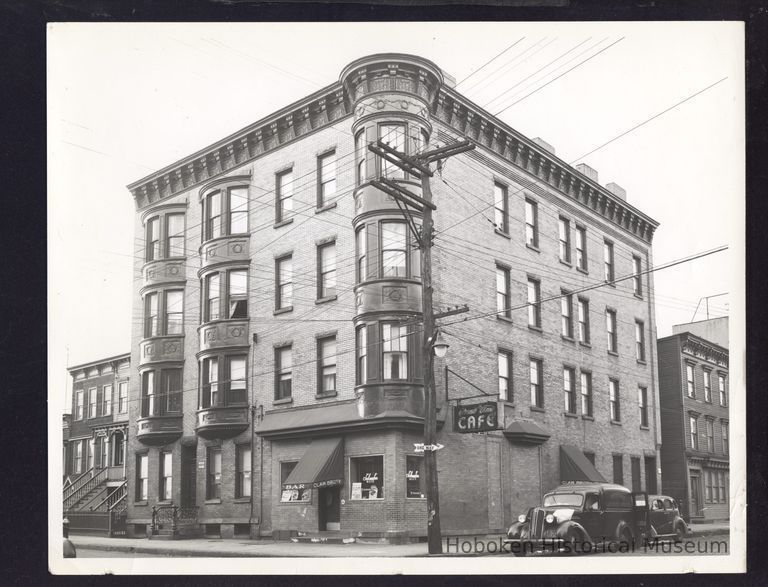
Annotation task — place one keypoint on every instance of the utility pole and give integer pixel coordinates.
(419, 166)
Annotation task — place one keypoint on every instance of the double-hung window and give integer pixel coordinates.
(284, 285)
(92, 402)
(237, 391)
(153, 239)
(142, 477)
(503, 298)
(642, 402)
(360, 237)
(166, 476)
(694, 430)
(534, 303)
(614, 399)
(326, 178)
(710, 429)
(77, 457)
(537, 388)
(583, 305)
(174, 312)
(212, 227)
(242, 470)
(164, 313)
(283, 195)
(151, 315)
(360, 155)
(394, 136)
(610, 326)
(721, 387)
(569, 390)
(326, 365)
(225, 295)
(122, 397)
(690, 383)
(237, 293)
(210, 379)
(707, 385)
(212, 297)
(586, 393)
(394, 339)
(326, 270)
(581, 248)
(505, 375)
(564, 238)
(79, 404)
(531, 223)
(501, 203)
(394, 246)
(174, 235)
(566, 314)
(640, 340)
(361, 344)
(148, 394)
(608, 261)
(637, 278)
(171, 390)
(283, 372)
(213, 474)
(106, 401)
(724, 434)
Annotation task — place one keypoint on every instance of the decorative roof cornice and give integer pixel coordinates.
(703, 349)
(116, 358)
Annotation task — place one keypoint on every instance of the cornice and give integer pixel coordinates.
(703, 349)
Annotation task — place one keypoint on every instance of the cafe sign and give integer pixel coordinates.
(476, 417)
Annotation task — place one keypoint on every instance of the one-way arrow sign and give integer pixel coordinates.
(421, 447)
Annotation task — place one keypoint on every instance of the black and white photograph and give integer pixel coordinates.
(429, 297)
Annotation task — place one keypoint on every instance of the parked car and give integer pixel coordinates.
(664, 518)
(574, 518)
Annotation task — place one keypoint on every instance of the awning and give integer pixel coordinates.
(526, 432)
(321, 466)
(574, 466)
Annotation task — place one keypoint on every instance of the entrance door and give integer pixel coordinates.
(695, 509)
(329, 508)
(188, 475)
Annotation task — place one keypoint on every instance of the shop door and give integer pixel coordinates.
(329, 508)
(695, 509)
(188, 475)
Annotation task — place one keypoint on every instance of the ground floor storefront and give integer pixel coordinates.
(708, 494)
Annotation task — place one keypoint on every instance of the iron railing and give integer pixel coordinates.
(173, 516)
(77, 482)
(84, 489)
(108, 502)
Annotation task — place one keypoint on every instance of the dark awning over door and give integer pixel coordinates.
(321, 466)
(574, 466)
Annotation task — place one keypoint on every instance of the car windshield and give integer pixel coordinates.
(568, 499)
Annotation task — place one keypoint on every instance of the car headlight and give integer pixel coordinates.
(549, 519)
(521, 518)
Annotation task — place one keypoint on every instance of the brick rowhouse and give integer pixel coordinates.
(278, 387)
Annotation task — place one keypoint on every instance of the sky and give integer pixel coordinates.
(125, 100)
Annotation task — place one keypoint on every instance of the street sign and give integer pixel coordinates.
(421, 447)
(475, 418)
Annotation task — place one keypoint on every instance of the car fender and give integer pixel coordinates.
(623, 525)
(563, 529)
(680, 521)
(517, 530)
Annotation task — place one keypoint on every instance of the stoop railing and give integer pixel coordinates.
(173, 518)
(82, 488)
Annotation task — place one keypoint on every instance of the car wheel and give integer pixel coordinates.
(625, 537)
(574, 542)
(679, 532)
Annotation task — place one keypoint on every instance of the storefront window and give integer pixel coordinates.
(367, 477)
(414, 477)
(289, 495)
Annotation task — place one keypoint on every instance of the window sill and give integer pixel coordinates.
(570, 415)
(324, 207)
(165, 502)
(644, 428)
(585, 344)
(613, 353)
(213, 501)
(535, 328)
(582, 270)
(416, 498)
(326, 299)
(567, 338)
(504, 318)
(585, 417)
(537, 409)
(566, 263)
(285, 400)
(326, 395)
(533, 247)
(615, 423)
(241, 500)
(141, 503)
(282, 223)
(282, 310)
(377, 499)
(503, 233)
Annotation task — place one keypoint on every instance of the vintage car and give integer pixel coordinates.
(574, 518)
(664, 518)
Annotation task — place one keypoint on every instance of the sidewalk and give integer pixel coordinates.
(708, 528)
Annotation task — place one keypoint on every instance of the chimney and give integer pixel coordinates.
(588, 171)
(544, 144)
(617, 190)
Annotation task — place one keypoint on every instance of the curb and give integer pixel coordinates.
(707, 532)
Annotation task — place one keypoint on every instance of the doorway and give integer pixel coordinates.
(329, 508)
(188, 475)
(695, 509)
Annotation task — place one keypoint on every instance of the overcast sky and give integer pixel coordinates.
(128, 99)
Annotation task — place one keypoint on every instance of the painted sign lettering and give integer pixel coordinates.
(475, 418)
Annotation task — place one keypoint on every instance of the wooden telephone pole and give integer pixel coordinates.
(419, 167)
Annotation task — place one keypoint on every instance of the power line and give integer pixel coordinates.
(490, 61)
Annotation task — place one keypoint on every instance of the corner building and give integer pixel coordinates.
(277, 342)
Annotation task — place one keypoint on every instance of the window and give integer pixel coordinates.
(223, 382)
(171, 321)
(635, 464)
(503, 303)
(283, 372)
(326, 366)
(237, 283)
(534, 303)
(707, 485)
(615, 400)
(581, 248)
(415, 486)
(393, 249)
(531, 223)
(583, 305)
(142, 477)
(174, 235)
(637, 278)
(226, 296)
(640, 340)
(707, 386)
(608, 261)
(569, 391)
(326, 270)
(284, 285)
(721, 387)
(326, 178)
(283, 195)
(362, 272)
(166, 476)
(610, 325)
(394, 136)
(92, 402)
(722, 478)
(77, 457)
(237, 381)
(213, 474)
(212, 215)
(243, 470)
(710, 429)
(367, 477)
(147, 394)
(361, 344)
(118, 444)
(537, 391)
(79, 404)
(566, 313)
(618, 469)
(212, 298)
(501, 202)
(122, 397)
(88, 449)
(586, 393)
(289, 495)
(693, 424)
(690, 388)
(151, 316)
(360, 155)
(225, 212)
(642, 402)
(210, 381)
(153, 239)
(724, 433)
(564, 237)
(106, 401)
(394, 340)
(174, 312)
(505, 375)
(103, 455)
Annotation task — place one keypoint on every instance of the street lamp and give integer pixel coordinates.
(439, 346)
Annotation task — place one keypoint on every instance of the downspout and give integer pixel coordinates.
(652, 347)
(541, 490)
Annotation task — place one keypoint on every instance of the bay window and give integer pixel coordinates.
(225, 295)
(361, 345)
(394, 136)
(360, 237)
(223, 381)
(360, 155)
(153, 239)
(164, 313)
(394, 247)
(174, 235)
(225, 212)
(394, 339)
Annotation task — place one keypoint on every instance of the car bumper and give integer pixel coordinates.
(528, 546)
